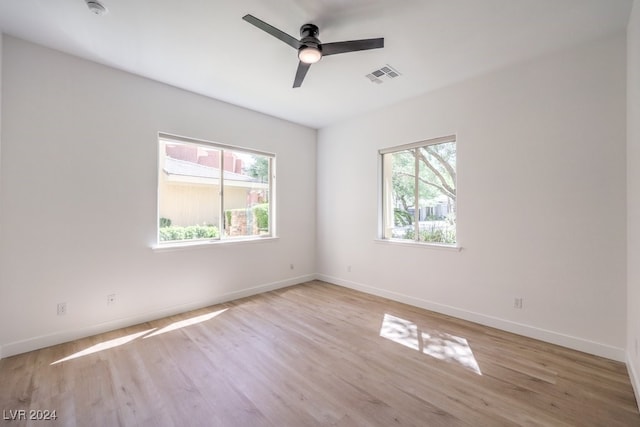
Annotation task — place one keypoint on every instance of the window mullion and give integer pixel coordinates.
(416, 212)
(271, 198)
(222, 221)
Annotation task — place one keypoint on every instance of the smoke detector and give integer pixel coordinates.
(96, 7)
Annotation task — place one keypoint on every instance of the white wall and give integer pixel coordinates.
(541, 207)
(633, 197)
(543, 142)
(1, 45)
(70, 127)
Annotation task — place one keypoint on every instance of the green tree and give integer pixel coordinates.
(259, 169)
(439, 171)
(436, 175)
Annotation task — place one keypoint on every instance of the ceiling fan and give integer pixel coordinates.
(310, 49)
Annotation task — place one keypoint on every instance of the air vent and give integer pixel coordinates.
(383, 73)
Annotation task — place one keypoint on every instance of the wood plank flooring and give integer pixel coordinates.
(314, 354)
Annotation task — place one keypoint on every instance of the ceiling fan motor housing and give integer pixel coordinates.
(309, 30)
(309, 36)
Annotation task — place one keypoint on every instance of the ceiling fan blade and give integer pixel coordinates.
(302, 71)
(351, 46)
(281, 35)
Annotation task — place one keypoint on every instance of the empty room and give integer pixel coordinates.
(301, 212)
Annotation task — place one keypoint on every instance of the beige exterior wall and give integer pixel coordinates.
(188, 204)
(196, 204)
(236, 197)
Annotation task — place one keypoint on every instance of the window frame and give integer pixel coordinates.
(168, 138)
(384, 196)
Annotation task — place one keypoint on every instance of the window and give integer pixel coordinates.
(419, 191)
(209, 191)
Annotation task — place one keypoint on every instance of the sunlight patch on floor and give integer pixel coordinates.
(105, 345)
(440, 345)
(187, 322)
(116, 342)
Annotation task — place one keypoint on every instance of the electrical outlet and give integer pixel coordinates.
(517, 303)
(62, 308)
(111, 299)
(291, 267)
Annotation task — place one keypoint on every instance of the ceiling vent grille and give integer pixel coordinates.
(383, 73)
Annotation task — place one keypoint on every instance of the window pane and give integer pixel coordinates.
(419, 193)
(437, 193)
(211, 191)
(246, 194)
(189, 186)
(399, 222)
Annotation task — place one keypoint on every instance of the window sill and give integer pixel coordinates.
(425, 245)
(210, 243)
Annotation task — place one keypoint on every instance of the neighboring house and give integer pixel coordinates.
(189, 184)
(438, 208)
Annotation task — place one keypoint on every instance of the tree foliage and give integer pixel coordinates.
(259, 169)
(428, 174)
(436, 174)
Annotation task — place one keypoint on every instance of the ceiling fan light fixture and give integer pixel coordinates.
(309, 54)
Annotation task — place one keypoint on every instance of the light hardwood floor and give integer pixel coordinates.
(315, 354)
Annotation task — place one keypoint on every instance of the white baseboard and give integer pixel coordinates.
(599, 349)
(575, 343)
(36, 343)
(635, 378)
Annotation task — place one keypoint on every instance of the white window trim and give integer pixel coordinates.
(382, 204)
(423, 245)
(167, 137)
(433, 141)
(200, 243)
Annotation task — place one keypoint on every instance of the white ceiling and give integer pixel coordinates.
(204, 46)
